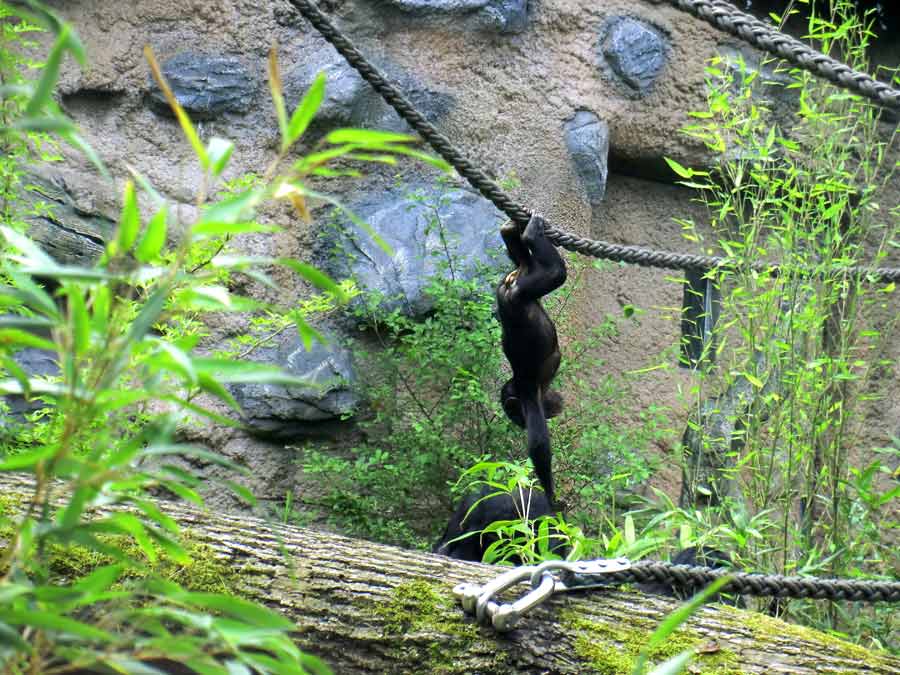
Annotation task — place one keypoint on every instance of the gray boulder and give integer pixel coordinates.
(503, 16)
(587, 137)
(71, 229)
(206, 85)
(349, 100)
(37, 363)
(634, 52)
(284, 413)
(423, 230)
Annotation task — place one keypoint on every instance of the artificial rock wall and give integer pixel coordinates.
(579, 100)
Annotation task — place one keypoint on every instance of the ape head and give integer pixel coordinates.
(463, 538)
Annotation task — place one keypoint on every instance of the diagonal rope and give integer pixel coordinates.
(634, 255)
(727, 17)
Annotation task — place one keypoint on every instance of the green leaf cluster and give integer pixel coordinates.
(127, 335)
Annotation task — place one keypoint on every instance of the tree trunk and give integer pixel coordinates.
(369, 608)
(714, 439)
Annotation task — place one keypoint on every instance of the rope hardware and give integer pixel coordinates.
(559, 576)
(716, 12)
(547, 579)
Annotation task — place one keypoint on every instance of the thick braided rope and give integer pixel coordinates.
(727, 17)
(490, 190)
(646, 257)
(768, 585)
(441, 144)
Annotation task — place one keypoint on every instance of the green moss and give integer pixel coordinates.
(8, 503)
(204, 572)
(763, 626)
(420, 607)
(612, 650)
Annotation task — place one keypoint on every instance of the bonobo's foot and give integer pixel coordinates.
(534, 229)
(512, 406)
(553, 404)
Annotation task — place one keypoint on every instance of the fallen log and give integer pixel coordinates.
(369, 608)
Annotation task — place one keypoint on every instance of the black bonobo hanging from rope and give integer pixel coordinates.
(529, 339)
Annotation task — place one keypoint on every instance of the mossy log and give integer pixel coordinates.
(370, 608)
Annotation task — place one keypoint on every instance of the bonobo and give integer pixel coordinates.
(471, 521)
(529, 339)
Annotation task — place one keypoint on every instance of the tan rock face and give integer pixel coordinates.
(504, 96)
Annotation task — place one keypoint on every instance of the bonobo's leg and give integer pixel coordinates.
(546, 270)
(517, 251)
(512, 406)
(538, 440)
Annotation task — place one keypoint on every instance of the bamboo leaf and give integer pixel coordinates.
(235, 209)
(315, 276)
(367, 137)
(682, 171)
(229, 605)
(278, 96)
(154, 238)
(56, 124)
(305, 112)
(81, 323)
(33, 254)
(13, 337)
(43, 91)
(675, 665)
(219, 151)
(220, 229)
(186, 126)
(54, 622)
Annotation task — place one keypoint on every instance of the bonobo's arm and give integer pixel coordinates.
(547, 270)
(512, 237)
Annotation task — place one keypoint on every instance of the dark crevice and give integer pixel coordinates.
(84, 235)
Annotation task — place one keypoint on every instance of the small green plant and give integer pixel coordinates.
(777, 448)
(433, 392)
(525, 539)
(125, 333)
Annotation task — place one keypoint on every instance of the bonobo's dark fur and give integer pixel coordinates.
(502, 506)
(529, 339)
(702, 556)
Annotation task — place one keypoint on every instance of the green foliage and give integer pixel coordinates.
(524, 538)
(433, 388)
(126, 335)
(799, 486)
(667, 628)
(19, 147)
(434, 410)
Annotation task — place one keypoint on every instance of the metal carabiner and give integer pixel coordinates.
(505, 617)
(471, 596)
(552, 576)
(497, 586)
